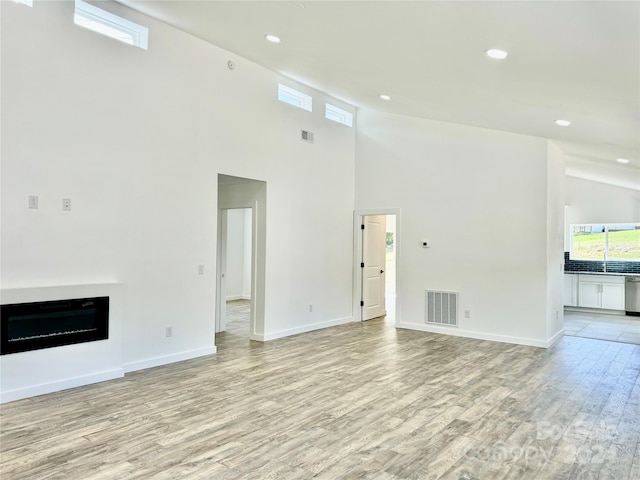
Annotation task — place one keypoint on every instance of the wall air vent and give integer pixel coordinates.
(442, 308)
(306, 136)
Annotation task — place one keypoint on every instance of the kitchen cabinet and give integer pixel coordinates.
(570, 290)
(613, 296)
(589, 294)
(601, 291)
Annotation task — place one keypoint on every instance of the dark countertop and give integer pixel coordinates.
(611, 274)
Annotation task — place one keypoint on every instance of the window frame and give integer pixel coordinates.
(295, 98)
(340, 115)
(91, 17)
(605, 227)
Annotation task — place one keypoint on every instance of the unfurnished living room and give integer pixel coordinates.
(317, 239)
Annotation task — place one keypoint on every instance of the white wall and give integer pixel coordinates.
(246, 261)
(238, 271)
(480, 197)
(595, 202)
(555, 242)
(136, 139)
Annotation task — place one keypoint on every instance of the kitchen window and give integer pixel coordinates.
(606, 242)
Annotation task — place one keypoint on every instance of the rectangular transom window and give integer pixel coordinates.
(110, 25)
(28, 3)
(294, 97)
(339, 115)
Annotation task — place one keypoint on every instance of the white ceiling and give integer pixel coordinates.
(578, 61)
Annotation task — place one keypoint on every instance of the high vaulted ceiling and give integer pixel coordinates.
(578, 61)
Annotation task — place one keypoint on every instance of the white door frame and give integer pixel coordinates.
(357, 256)
(222, 230)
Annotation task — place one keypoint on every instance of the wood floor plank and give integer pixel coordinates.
(357, 401)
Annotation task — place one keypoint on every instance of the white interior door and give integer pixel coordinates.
(373, 259)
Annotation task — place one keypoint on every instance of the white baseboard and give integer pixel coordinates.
(303, 329)
(32, 391)
(56, 386)
(176, 357)
(601, 311)
(552, 341)
(456, 332)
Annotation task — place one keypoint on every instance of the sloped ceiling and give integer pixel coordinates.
(578, 61)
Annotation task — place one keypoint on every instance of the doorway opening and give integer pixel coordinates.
(240, 257)
(236, 271)
(376, 235)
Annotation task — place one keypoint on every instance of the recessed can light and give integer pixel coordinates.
(272, 38)
(563, 123)
(622, 160)
(496, 53)
(385, 97)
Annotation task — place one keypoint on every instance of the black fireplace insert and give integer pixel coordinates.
(32, 326)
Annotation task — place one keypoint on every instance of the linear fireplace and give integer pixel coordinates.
(37, 325)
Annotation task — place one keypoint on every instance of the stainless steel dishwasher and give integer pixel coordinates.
(632, 296)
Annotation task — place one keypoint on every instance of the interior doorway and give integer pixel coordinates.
(236, 271)
(241, 247)
(376, 241)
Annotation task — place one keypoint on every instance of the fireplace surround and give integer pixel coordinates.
(35, 372)
(46, 324)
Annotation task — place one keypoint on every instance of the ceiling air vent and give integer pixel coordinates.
(442, 308)
(306, 136)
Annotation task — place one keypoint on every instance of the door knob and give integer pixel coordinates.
(381, 271)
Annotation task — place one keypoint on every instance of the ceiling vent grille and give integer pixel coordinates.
(442, 308)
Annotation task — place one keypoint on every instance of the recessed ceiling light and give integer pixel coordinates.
(496, 53)
(272, 38)
(563, 123)
(385, 97)
(622, 160)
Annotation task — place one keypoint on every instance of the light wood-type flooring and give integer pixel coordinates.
(238, 312)
(357, 401)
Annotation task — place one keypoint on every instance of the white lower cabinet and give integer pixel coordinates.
(612, 296)
(570, 290)
(601, 291)
(589, 294)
